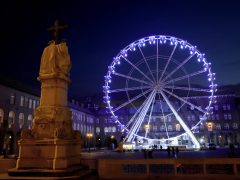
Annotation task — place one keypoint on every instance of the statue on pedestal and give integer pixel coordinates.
(51, 143)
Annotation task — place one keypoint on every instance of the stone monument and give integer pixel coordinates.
(51, 145)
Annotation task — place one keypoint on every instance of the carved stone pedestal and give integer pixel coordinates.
(51, 146)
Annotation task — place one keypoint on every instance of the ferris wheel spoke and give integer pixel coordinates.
(149, 117)
(135, 67)
(147, 64)
(129, 89)
(131, 100)
(185, 77)
(180, 120)
(164, 119)
(132, 78)
(178, 67)
(187, 88)
(139, 120)
(169, 59)
(185, 101)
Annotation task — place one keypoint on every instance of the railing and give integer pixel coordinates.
(145, 168)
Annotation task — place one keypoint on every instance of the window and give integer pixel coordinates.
(21, 120)
(228, 107)
(201, 126)
(106, 129)
(30, 117)
(1, 116)
(226, 126)
(224, 107)
(213, 117)
(210, 126)
(105, 120)
(12, 99)
(216, 107)
(218, 126)
(229, 116)
(193, 118)
(26, 102)
(97, 121)
(178, 127)
(11, 118)
(34, 104)
(97, 130)
(113, 129)
(162, 128)
(225, 116)
(170, 128)
(30, 104)
(21, 101)
(217, 116)
(154, 128)
(74, 126)
(169, 118)
(235, 126)
(189, 118)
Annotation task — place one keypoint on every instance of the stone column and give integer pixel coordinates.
(51, 143)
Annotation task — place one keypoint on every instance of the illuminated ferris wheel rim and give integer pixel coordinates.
(150, 40)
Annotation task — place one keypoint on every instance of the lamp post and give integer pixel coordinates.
(89, 136)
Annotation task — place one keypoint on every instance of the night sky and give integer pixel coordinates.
(98, 30)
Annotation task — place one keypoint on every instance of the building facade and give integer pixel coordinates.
(98, 129)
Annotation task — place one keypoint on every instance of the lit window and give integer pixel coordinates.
(235, 126)
(21, 120)
(113, 129)
(30, 104)
(21, 101)
(29, 117)
(81, 128)
(97, 129)
(170, 128)
(229, 116)
(11, 118)
(210, 126)
(226, 126)
(228, 107)
(178, 127)
(162, 128)
(154, 128)
(34, 104)
(12, 99)
(224, 107)
(225, 116)
(106, 129)
(169, 118)
(1, 116)
(218, 126)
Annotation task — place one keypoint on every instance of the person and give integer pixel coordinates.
(232, 149)
(160, 148)
(150, 153)
(173, 152)
(145, 153)
(169, 151)
(177, 152)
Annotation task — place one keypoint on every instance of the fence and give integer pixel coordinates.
(145, 168)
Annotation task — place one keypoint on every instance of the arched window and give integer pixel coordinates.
(11, 119)
(78, 127)
(170, 128)
(21, 120)
(97, 129)
(162, 128)
(226, 126)
(106, 129)
(1, 116)
(74, 126)
(113, 129)
(178, 127)
(81, 128)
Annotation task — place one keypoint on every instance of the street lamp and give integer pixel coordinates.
(89, 136)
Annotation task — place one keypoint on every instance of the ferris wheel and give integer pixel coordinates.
(154, 89)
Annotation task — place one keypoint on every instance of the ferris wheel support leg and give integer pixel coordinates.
(179, 119)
